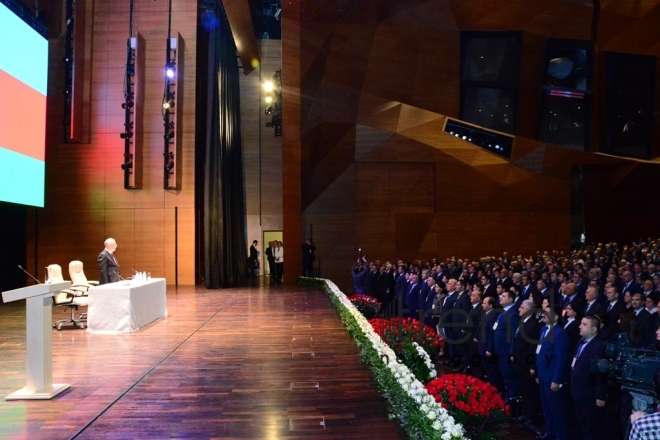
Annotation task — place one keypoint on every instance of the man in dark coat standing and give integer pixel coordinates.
(108, 265)
(271, 259)
(308, 257)
(523, 357)
(589, 389)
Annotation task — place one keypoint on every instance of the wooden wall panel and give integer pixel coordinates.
(403, 64)
(85, 198)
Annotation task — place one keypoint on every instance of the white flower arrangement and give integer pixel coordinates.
(444, 424)
(427, 360)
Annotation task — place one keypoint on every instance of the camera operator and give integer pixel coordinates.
(359, 274)
(647, 426)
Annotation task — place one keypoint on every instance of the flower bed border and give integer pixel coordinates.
(420, 416)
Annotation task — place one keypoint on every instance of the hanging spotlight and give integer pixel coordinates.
(126, 135)
(274, 100)
(167, 105)
(169, 69)
(170, 162)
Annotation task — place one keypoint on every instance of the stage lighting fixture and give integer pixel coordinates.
(269, 110)
(269, 99)
(169, 135)
(167, 105)
(495, 142)
(128, 134)
(127, 166)
(170, 162)
(269, 86)
(169, 70)
(127, 104)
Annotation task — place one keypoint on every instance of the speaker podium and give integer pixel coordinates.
(39, 328)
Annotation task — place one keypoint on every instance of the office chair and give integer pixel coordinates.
(67, 298)
(80, 281)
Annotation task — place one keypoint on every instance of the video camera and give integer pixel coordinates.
(634, 369)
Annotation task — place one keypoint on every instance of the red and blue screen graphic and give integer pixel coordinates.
(23, 84)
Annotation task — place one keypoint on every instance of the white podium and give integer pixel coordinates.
(39, 328)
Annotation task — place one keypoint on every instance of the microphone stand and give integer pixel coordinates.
(29, 274)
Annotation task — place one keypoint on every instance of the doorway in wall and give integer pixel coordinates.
(269, 236)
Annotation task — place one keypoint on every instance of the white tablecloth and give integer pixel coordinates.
(125, 306)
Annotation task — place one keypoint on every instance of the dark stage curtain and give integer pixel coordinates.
(224, 242)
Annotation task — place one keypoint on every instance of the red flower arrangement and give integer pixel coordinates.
(367, 305)
(473, 402)
(398, 331)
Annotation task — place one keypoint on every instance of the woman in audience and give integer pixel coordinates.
(627, 300)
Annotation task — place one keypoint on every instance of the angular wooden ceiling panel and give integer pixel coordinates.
(367, 138)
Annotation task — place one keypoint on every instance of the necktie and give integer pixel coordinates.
(609, 308)
(545, 331)
(583, 343)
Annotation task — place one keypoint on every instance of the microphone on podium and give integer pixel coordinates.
(29, 274)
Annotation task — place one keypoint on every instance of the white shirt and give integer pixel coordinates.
(278, 254)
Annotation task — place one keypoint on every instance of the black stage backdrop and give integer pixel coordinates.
(224, 243)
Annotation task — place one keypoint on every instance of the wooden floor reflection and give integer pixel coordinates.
(257, 362)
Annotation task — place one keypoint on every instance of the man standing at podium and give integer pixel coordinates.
(108, 263)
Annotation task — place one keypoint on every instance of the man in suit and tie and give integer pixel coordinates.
(413, 296)
(108, 265)
(523, 356)
(486, 344)
(489, 288)
(505, 280)
(629, 284)
(592, 306)
(462, 303)
(589, 389)
(550, 372)
(614, 307)
(644, 333)
(447, 317)
(525, 289)
(505, 327)
(473, 361)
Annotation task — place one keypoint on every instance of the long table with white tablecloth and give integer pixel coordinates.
(125, 306)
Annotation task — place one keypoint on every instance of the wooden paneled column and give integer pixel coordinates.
(291, 143)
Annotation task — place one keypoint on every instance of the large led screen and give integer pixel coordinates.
(23, 82)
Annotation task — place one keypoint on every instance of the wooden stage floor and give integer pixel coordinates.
(235, 363)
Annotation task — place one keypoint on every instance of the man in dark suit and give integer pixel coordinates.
(486, 345)
(253, 260)
(523, 356)
(489, 288)
(108, 265)
(447, 317)
(644, 332)
(505, 280)
(463, 304)
(550, 372)
(271, 259)
(526, 289)
(473, 360)
(592, 305)
(413, 296)
(614, 308)
(308, 257)
(589, 389)
(505, 327)
(629, 284)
